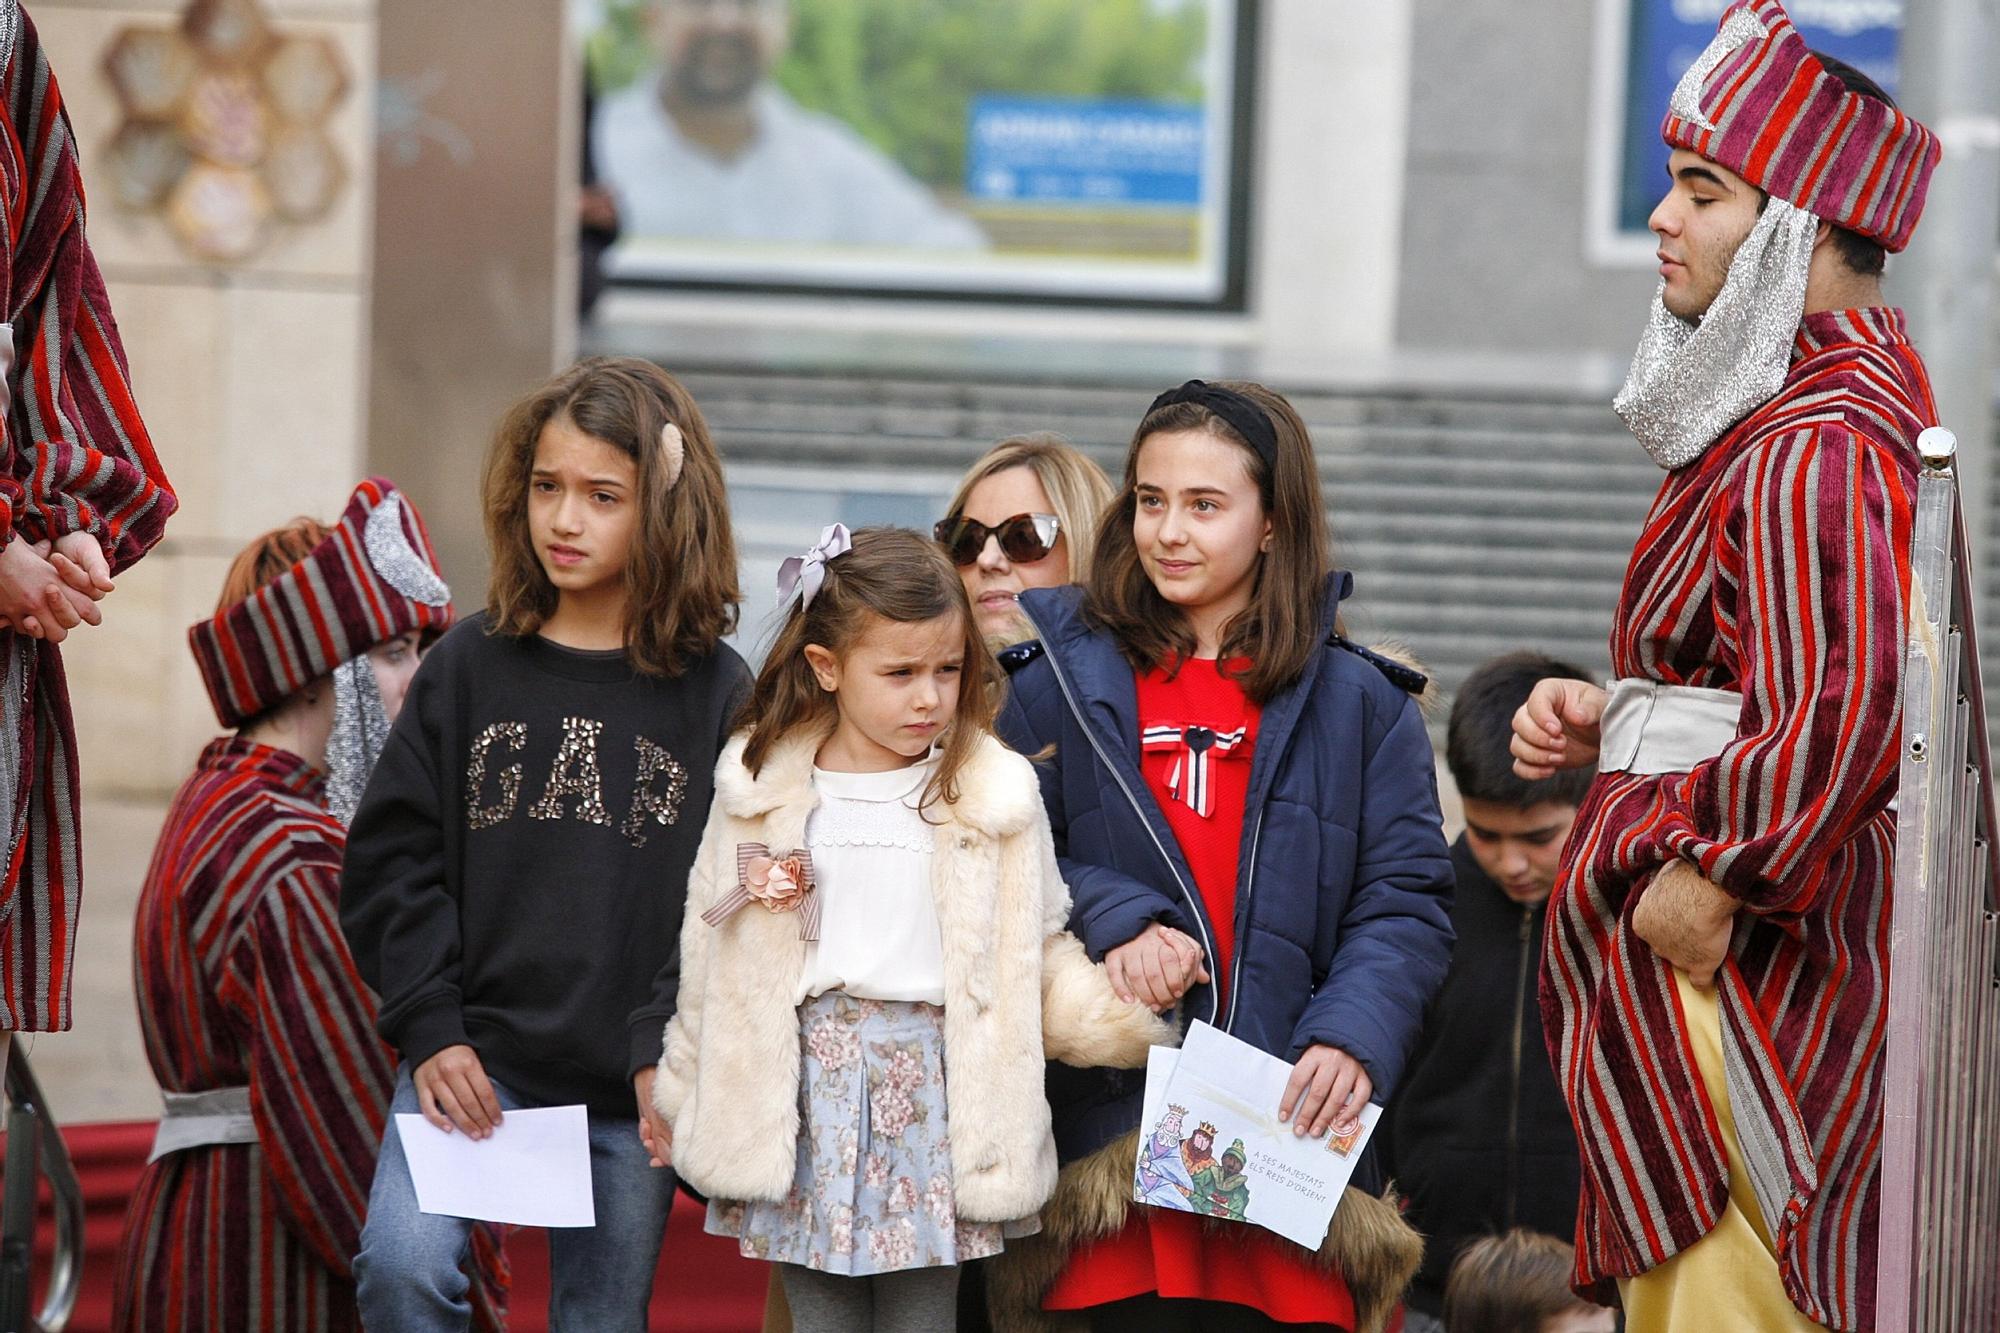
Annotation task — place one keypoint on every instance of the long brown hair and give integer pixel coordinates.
(680, 575)
(268, 556)
(1280, 629)
(891, 574)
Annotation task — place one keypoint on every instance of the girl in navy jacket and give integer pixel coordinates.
(1245, 809)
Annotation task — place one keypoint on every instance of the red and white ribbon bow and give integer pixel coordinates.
(777, 883)
(1190, 780)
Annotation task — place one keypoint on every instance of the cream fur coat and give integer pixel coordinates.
(1018, 990)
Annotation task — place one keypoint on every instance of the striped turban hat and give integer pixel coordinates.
(1760, 103)
(374, 577)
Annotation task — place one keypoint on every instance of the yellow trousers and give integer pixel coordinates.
(1729, 1278)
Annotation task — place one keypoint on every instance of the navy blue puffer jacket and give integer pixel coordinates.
(1343, 896)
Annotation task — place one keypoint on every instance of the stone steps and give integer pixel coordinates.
(1475, 522)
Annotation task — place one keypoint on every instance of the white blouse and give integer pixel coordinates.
(878, 925)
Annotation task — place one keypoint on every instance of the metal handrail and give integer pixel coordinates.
(35, 1150)
(1940, 1202)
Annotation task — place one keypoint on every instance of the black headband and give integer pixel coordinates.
(1248, 419)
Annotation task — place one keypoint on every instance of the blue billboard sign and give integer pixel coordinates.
(1085, 151)
(1663, 37)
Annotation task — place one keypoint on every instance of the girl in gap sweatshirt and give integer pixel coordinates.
(517, 869)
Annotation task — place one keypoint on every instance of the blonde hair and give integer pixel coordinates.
(680, 576)
(1077, 488)
(891, 574)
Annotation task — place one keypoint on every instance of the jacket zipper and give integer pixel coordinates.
(1076, 710)
(1514, 1085)
(1243, 936)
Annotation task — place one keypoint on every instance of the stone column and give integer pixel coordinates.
(475, 238)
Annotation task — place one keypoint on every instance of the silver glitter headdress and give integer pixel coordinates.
(360, 727)
(1691, 382)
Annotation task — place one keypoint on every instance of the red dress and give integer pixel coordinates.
(1159, 1250)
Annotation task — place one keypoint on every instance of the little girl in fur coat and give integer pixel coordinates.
(876, 902)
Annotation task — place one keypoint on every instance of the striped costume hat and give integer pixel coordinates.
(374, 577)
(1759, 103)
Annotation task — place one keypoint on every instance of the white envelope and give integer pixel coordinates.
(534, 1170)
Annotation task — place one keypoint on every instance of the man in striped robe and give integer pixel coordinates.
(256, 1023)
(81, 498)
(1714, 985)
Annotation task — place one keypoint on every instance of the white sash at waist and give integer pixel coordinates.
(1649, 727)
(199, 1119)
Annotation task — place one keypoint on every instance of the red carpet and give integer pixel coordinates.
(703, 1285)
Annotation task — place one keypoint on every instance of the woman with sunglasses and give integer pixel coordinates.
(1024, 516)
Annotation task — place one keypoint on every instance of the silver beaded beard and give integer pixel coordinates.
(360, 727)
(1691, 382)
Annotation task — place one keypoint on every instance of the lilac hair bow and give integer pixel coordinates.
(803, 574)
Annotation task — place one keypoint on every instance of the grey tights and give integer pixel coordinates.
(916, 1300)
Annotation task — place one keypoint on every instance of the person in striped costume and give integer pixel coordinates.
(256, 1022)
(1714, 985)
(82, 497)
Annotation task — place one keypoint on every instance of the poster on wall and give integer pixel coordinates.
(1079, 150)
(1644, 48)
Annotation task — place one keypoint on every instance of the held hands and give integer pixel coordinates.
(654, 1132)
(1557, 727)
(1155, 967)
(1328, 1087)
(1687, 920)
(452, 1089)
(48, 590)
(79, 558)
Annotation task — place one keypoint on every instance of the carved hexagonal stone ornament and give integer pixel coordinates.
(224, 126)
(219, 211)
(151, 69)
(233, 30)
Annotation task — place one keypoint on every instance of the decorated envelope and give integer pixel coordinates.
(1211, 1141)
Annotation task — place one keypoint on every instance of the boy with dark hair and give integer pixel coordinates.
(1480, 1141)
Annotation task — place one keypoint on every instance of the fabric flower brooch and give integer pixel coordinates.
(778, 883)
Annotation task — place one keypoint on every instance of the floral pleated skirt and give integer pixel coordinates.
(872, 1192)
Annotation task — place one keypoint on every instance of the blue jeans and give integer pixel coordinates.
(409, 1275)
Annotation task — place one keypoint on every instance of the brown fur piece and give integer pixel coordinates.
(1369, 1245)
(1430, 700)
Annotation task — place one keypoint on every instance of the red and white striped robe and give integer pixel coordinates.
(1777, 565)
(244, 980)
(75, 457)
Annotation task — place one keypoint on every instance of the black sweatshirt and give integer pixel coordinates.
(516, 874)
(1479, 1138)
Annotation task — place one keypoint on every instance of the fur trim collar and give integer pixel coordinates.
(998, 792)
(1429, 699)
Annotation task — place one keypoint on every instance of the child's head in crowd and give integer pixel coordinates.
(604, 497)
(1519, 1283)
(1515, 828)
(880, 649)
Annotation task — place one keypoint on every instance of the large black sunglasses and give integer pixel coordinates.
(1024, 538)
